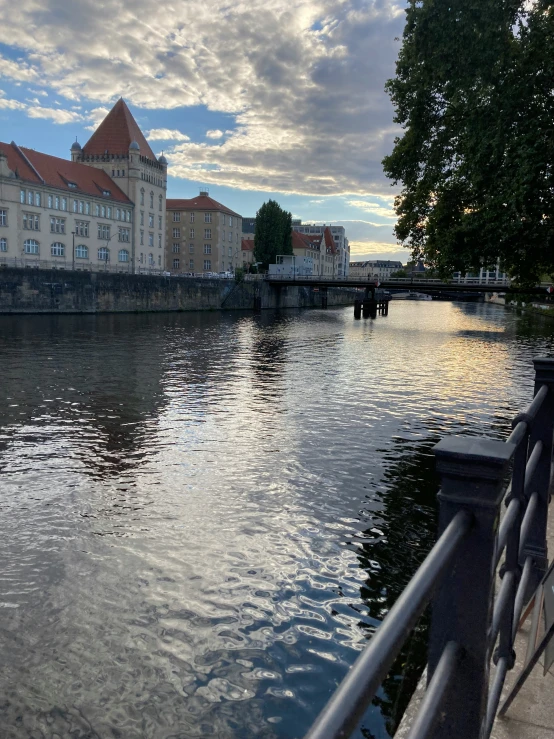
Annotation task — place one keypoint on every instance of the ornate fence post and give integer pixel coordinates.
(541, 431)
(472, 472)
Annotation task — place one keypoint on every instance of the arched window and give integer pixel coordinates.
(57, 249)
(151, 259)
(103, 254)
(31, 246)
(160, 202)
(123, 255)
(151, 199)
(81, 251)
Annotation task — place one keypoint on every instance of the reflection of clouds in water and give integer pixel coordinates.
(215, 511)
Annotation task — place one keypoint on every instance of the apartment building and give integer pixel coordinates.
(320, 248)
(338, 235)
(103, 210)
(202, 235)
(379, 268)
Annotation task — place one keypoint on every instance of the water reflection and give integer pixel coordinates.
(206, 516)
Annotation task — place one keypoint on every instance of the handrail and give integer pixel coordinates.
(346, 707)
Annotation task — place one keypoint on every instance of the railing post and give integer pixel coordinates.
(472, 471)
(541, 430)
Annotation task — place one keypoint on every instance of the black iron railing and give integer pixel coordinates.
(470, 627)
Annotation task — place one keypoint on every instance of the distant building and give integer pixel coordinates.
(321, 248)
(249, 226)
(289, 265)
(202, 236)
(338, 236)
(379, 268)
(247, 252)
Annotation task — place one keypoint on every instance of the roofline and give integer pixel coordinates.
(27, 161)
(223, 209)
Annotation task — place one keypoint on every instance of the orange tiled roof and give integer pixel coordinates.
(201, 202)
(38, 168)
(247, 244)
(305, 241)
(115, 134)
(329, 241)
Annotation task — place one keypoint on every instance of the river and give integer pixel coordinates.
(206, 515)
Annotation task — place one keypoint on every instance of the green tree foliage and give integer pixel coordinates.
(474, 93)
(273, 233)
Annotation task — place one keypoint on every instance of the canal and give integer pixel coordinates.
(205, 516)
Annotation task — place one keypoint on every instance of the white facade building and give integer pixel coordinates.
(339, 237)
(379, 268)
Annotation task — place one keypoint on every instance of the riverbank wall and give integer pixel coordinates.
(51, 291)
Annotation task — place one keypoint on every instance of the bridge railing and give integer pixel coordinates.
(470, 627)
(400, 281)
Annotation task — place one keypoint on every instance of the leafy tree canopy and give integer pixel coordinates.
(273, 233)
(474, 93)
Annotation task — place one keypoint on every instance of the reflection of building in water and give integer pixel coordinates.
(88, 385)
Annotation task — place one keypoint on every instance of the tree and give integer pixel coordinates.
(473, 91)
(273, 233)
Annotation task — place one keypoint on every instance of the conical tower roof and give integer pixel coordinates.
(115, 134)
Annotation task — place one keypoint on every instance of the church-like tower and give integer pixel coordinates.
(119, 148)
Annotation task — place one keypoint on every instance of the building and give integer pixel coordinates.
(320, 248)
(338, 236)
(247, 252)
(289, 265)
(202, 235)
(378, 268)
(103, 210)
(249, 227)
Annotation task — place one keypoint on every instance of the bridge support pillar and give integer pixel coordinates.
(357, 309)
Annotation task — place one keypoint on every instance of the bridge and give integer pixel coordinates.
(466, 285)
(476, 635)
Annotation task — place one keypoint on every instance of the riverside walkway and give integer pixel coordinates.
(476, 650)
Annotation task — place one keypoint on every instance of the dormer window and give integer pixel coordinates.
(72, 185)
(107, 193)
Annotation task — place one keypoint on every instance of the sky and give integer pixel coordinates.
(254, 100)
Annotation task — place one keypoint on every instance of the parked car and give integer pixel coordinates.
(226, 275)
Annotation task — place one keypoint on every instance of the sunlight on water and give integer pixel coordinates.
(206, 516)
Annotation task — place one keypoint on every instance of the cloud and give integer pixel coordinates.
(8, 104)
(301, 80)
(166, 134)
(96, 116)
(56, 115)
(214, 134)
(374, 208)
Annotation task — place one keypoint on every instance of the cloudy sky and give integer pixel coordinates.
(254, 99)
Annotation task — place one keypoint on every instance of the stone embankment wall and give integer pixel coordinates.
(53, 291)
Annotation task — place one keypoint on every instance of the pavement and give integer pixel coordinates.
(531, 715)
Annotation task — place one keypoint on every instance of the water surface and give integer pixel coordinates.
(205, 516)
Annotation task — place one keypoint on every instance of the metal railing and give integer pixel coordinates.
(469, 625)
(400, 281)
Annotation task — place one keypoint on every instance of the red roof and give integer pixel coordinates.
(202, 202)
(305, 241)
(38, 168)
(115, 134)
(329, 241)
(247, 244)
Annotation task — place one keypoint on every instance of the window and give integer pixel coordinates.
(57, 249)
(142, 238)
(96, 209)
(159, 241)
(37, 199)
(207, 248)
(150, 221)
(207, 217)
(191, 264)
(175, 264)
(107, 193)
(50, 201)
(230, 220)
(123, 255)
(223, 218)
(29, 197)
(3, 217)
(230, 237)
(141, 258)
(223, 233)
(192, 217)
(230, 251)
(57, 225)
(87, 209)
(177, 217)
(176, 248)
(31, 246)
(151, 261)
(104, 254)
(150, 239)
(64, 203)
(81, 251)
(160, 222)
(103, 211)
(22, 196)
(159, 203)
(57, 203)
(207, 233)
(191, 248)
(75, 206)
(142, 196)
(192, 233)
(3, 244)
(118, 214)
(128, 219)
(159, 260)
(207, 263)
(176, 233)
(103, 232)
(123, 173)
(124, 234)
(151, 199)
(142, 218)
(81, 228)
(30, 221)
